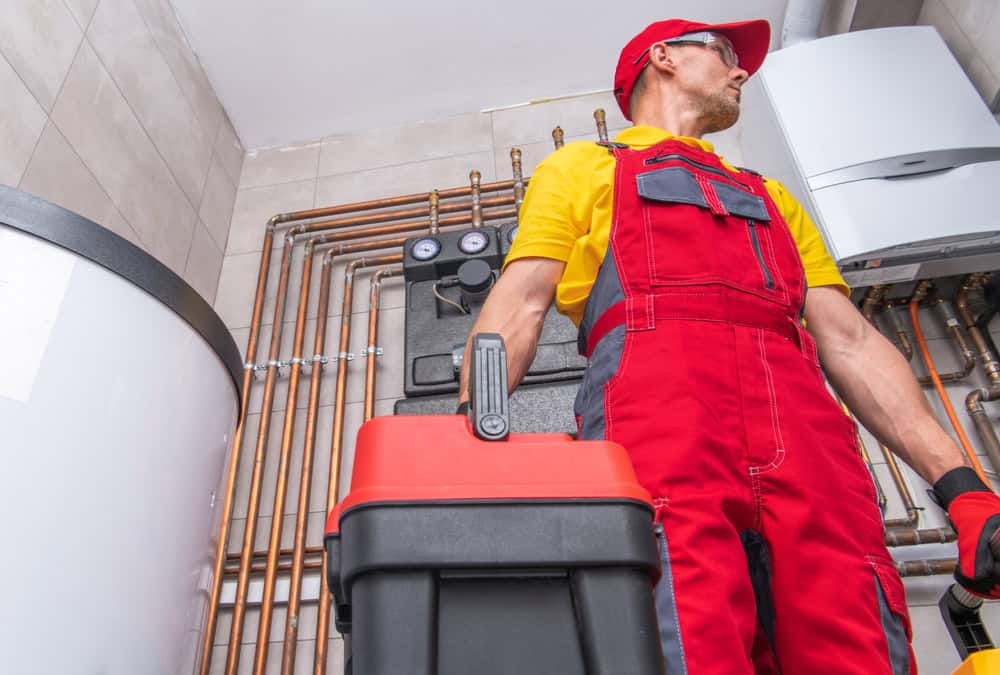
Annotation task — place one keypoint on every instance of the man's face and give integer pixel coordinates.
(711, 83)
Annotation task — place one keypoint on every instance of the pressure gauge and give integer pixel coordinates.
(425, 249)
(473, 242)
(511, 234)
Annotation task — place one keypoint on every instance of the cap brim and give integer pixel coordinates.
(751, 40)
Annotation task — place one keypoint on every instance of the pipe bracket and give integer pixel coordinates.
(372, 350)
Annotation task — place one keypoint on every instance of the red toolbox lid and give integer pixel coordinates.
(407, 458)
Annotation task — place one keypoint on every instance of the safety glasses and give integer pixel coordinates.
(714, 41)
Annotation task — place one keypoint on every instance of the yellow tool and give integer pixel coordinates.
(980, 663)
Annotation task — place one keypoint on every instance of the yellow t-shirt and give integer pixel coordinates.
(566, 215)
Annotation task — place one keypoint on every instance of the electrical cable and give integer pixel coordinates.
(437, 294)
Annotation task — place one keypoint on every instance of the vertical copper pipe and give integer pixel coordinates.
(988, 435)
(911, 508)
(246, 555)
(284, 459)
(336, 447)
(433, 205)
(477, 208)
(894, 311)
(990, 364)
(602, 125)
(208, 642)
(954, 330)
(516, 169)
(557, 137)
(373, 309)
(305, 481)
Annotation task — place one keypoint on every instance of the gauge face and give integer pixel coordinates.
(511, 234)
(425, 249)
(473, 242)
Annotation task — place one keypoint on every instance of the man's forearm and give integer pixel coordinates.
(516, 309)
(878, 386)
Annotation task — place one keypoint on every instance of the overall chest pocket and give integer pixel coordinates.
(701, 229)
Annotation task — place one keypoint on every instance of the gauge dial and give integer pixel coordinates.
(473, 242)
(511, 234)
(425, 249)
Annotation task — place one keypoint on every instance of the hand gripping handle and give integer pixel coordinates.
(489, 403)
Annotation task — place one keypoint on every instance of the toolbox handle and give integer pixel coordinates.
(489, 407)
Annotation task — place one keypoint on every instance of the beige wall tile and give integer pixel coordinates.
(459, 135)
(167, 33)
(203, 264)
(404, 179)
(535, 122)
(97, 122)
(279, 165)
(82, 10)
(126, 48)
(237, 284)
(21, 123)
(39, 38)
(254, 206)
(216, 209)
(229, 150)
(935, 13)
(57, 174)
(974, 17)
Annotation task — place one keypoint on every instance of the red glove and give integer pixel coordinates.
(975, 513)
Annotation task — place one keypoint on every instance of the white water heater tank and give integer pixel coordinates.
(886, 143)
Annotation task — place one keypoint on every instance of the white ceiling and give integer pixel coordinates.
(296, 70)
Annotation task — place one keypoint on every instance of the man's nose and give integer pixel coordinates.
(739, 75)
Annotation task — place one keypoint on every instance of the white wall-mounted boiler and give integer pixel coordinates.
(887, 144)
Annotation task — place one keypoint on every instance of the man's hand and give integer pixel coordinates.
(975, 513)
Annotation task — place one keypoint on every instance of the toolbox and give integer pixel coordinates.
(463, 548)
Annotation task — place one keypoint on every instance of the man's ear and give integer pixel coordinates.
(661, 57)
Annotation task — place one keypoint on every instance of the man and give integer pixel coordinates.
(687, 278)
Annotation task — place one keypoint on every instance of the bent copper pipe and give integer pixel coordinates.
(250, 529)
(990, 364)
(375, 294)
(602, 125)
(336, 444)
(909, 505)
(958, 338)
(234, 453)
(516, 170)
(987, 434)
(298, 552)
(557, 137)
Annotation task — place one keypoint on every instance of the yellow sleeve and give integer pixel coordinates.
(551, 217)
(820, 268)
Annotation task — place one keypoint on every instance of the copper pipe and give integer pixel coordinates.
(516, 170)
(433, 209)
(477, 208)
(602, 125)
(415, 225)
(873, 299)
(284, 459)
(392, 216)
(284, 553)
(205, 661)
(557, 137)
(940, 535)
(373, 309)
(387, 202)
(955, 331)
(261, 568)
(987, 434)
(912, 510)
(893, 311)
(866, 457)
(970, 453)
(336, 445)
(250, 530)
(926, 568)
(990, 364)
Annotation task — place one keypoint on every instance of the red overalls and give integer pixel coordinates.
(773, 548)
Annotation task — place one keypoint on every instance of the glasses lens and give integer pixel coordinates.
(721, 44)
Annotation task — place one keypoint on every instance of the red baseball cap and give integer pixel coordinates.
(750, 41)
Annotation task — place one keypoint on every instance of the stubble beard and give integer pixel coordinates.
(720, 111)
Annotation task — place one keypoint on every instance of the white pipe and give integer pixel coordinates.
(802, 19)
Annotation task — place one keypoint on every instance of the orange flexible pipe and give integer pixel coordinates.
(970, 453)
